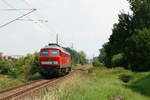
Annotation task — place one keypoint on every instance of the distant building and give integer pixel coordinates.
(17, 56)
(33, 55)
(3, 57)
(7, 57)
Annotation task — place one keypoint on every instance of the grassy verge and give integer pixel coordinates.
(8, 82)
(76, 65)
(102, 84)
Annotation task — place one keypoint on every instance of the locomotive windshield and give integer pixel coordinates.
(54, 52)
(44, 53)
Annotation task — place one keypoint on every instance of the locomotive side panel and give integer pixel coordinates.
(66, 60)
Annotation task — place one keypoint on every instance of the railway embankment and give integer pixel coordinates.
(31, 90)
(88, 84)
(102, 84)
(6, 81)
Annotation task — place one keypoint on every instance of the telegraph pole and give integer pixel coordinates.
(57, 38)
(72, 45)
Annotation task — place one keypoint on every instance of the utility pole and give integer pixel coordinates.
(72, 45)
(57, 38)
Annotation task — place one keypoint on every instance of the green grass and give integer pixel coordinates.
(8, 81)
(76, 65)
(102, 84)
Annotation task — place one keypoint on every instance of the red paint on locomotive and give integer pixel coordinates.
(54, 58)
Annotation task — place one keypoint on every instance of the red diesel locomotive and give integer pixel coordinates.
(54, 60)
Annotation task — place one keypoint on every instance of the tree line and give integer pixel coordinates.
(129, 44)
(77, 57)
(25, 66)
(28, 65)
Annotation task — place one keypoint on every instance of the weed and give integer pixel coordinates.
(102, 84)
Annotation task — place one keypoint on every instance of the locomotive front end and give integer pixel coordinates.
(49, 57)
(50, 61)
(54, 60)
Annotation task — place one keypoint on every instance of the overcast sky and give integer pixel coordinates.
(86, 24)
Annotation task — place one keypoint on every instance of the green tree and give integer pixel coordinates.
(138, 50)
(120, 33)
(122, 40)
(1, 54)
(25, 66)
(106, 55)
(35, 63)
(5, 67)
(74, 56)
(77, 57)
(117, 60)
(82, 58)
(141, 13)
(97, 63)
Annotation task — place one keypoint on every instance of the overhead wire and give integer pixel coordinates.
(37, 15)
(26, 2)
(14, 9)
(19, 10)
(61, 42)
(33, 20)
(17, 18)
(52, 31)
(6, 3)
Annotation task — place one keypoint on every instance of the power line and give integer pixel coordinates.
(17, 18)
(6, 3)
(10, 6)
(14, 9)
(33, 20)
(23, 15)
(28, 4)
(37, 15)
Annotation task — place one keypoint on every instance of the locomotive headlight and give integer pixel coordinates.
(55, 62)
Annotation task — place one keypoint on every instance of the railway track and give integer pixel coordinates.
(28, 91)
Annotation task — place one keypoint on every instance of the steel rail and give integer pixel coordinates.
(32, 87)
(9, 89)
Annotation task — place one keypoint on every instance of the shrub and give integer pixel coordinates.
(25, 66)
(5, 67)
(15, 73)
(77, 65)
(35, 63)
(117, 60)
(91, 70)
(98, 64)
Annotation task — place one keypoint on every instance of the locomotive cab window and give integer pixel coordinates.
(44, 53)
(54, 52)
